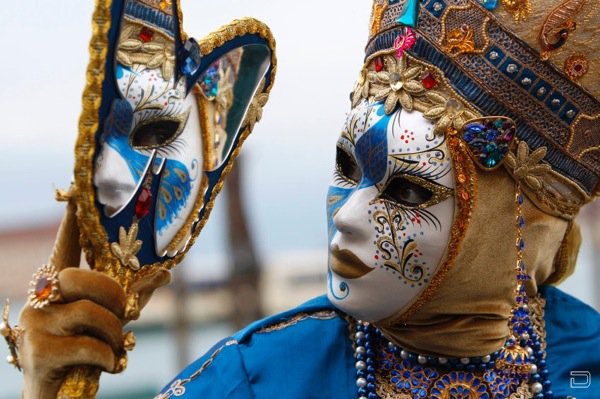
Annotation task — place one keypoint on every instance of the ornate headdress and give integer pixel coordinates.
(535, 62)
(512, 85)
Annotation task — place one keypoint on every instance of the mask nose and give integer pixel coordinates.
(352, 218)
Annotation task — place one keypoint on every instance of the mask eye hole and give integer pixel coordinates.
(414, 192)
(155, 134)
(158, 132)
(347, 167)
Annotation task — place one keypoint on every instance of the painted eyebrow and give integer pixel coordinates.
(416, 168)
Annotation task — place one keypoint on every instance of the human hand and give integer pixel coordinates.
(84, 327)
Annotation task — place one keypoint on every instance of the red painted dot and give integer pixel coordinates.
(376, 257)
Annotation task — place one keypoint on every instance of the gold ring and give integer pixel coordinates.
(43, 288)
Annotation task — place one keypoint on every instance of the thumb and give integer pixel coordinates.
(147, 284)
(66, 251)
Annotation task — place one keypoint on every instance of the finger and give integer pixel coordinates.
(42, 350)
(85, 318)
(76, 284)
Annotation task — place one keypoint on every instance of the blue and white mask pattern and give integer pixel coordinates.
(154, 128)
(390, 210)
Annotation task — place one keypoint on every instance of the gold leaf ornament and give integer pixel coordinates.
(448, 113)
(396, 85)
(255, 110)
(526, 165)
(127, 247)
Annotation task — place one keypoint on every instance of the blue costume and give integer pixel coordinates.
(307, 352)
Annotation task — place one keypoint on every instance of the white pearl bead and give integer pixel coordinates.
(404, 354)
(465, 360)
(361, 382)
(486, 359)
(534, 369)
(443, 360)
(363, 397)
(525, 336)
(361, 350)
(359, 335)
(529, 351)
(422, 359)
(360, 365)
(537, 387)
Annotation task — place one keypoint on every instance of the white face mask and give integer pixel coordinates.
(154, 124)
(390, 211)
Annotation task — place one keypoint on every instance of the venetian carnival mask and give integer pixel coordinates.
(152, 155)
(390, 210)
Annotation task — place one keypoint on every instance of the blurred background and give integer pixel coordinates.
(282, 177)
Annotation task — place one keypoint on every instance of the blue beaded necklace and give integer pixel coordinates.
(519, 366)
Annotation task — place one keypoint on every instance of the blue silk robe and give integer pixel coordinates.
(307, 353)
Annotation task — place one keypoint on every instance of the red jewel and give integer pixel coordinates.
(145, 35)
(142, 206)
(43, 289)
(428, 80)
(378, 64)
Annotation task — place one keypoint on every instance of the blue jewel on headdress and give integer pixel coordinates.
(489, 4)
(489, 140)
(190, 57)
(410, 16)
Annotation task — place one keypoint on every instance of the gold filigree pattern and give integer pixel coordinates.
(537, 306)
(460, 41)
(324, 315)
(519, 9)
(464, 30)
(526, 165)
(127, 247)
(177, 388)
(379, 8)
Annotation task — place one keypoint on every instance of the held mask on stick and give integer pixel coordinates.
(163, 119)
(160, 129)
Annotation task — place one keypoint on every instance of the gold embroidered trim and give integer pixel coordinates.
(537, 306)
(94, 238)
(547, 189)
(323, 315)
(178, 389)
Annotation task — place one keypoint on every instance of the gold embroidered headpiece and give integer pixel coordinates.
(535, 62)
